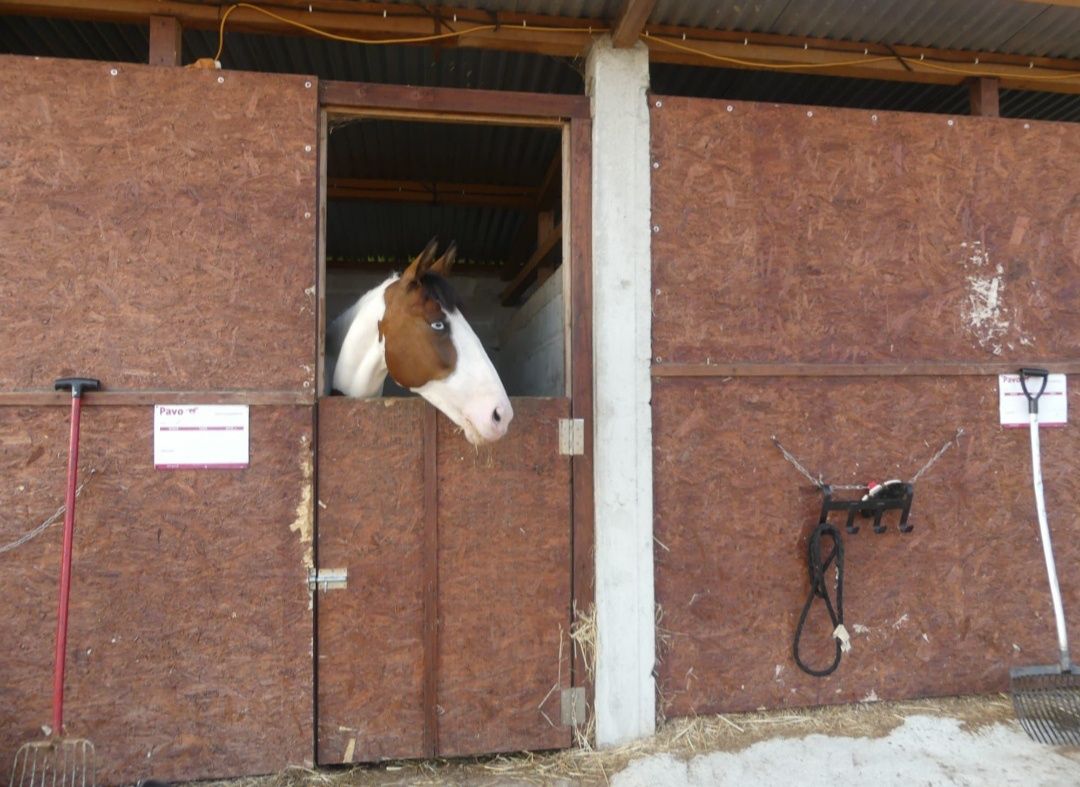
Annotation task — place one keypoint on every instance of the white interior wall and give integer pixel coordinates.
(531, 358)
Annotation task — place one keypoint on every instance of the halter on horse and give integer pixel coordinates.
(412, 328)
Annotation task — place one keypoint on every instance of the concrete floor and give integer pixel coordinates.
(923, 750)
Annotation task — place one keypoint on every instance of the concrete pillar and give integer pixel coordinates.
(625, 703)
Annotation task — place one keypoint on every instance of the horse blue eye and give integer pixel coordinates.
(438, 325)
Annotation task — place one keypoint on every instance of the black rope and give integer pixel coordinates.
(819, 589)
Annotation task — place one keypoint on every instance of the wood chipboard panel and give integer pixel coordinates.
(190, 632)
(504, 585)
(946, 609)
(158, 226)
(370, 634)
(810, 234)
(806, 235)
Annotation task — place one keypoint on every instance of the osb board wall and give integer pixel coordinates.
(787, 233)
(802, 235)
(371, 634)
(189, 649)
(946, 609)
(158, 226)
(503, 567)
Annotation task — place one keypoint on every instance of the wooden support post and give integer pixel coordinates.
(984, 96)
(165, 41)
(580, 336)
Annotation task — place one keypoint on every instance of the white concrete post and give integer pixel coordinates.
(616, 80)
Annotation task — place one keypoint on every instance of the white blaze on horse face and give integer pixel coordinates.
(472, 396)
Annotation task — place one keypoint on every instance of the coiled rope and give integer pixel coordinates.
(819, 588)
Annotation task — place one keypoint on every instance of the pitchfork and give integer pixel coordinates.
(60, 760)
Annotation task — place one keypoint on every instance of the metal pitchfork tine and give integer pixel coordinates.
(59, 761)
(1046, 698)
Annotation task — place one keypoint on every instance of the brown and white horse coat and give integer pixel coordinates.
(411, 327)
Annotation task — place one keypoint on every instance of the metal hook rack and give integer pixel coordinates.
(889, 496)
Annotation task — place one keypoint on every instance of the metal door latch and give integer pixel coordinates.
(328, 579)
(571, 436)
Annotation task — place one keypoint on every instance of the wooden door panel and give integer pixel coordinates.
(504, 585)
(370, 634)
(500, 651)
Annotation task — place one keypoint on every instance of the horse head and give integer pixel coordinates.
(427, 346)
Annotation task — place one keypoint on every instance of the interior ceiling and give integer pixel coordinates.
(363, 227)
(430, 158)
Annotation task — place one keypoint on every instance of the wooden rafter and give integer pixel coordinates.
(631, 22)
(432, 193)
(549, 191)
(569, 37)
(525, 276)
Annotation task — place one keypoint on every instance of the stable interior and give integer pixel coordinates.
(393, 184)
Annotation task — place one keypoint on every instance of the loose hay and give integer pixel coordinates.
(683, 738)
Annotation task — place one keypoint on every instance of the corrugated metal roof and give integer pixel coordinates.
(398, 150)
(396, 232)
(987, 25)
(1007, 26)
(808, 89)
(446, 152)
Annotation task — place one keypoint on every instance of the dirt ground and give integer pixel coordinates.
(952, 741)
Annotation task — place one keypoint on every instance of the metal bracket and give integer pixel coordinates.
(328, 579)
(894, 495)
(571, 436)
(573, 707)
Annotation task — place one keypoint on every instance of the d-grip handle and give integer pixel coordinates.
(1033, 401)
(76, 385)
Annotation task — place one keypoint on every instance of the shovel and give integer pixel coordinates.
(1046, 698)
(60, 760)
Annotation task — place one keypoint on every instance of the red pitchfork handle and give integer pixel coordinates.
(77, 385)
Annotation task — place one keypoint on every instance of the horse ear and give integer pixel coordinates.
(445, 263)
(422, 263)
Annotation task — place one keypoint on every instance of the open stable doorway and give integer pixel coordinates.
(450, 632)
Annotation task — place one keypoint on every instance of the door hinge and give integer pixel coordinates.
(573, 707)
(571, 436)
(328, 579)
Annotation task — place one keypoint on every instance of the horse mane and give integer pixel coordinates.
(441, 290)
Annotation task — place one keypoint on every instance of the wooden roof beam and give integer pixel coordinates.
(513, 291)
(1066, 3)
(631, 22)
(549, 192)
(759, 51)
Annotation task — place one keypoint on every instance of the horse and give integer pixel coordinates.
(411, 328)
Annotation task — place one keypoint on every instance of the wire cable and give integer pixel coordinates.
(387, 41)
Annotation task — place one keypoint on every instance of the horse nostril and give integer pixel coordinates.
(495, 415)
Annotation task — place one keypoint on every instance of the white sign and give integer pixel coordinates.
(200, 436)
(1013, 405)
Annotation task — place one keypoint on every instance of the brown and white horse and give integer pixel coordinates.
(411, 327)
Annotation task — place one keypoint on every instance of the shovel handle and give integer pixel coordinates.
(77, 385)
(1033, 401)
